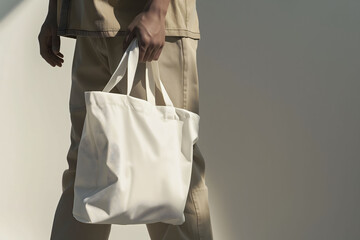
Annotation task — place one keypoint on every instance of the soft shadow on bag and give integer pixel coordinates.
(134, 158)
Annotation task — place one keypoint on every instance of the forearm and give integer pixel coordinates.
(52, 8)
(157, 6)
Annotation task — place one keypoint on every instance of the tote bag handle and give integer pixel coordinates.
(129, 62)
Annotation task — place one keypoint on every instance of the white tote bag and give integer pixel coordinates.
(134, 158)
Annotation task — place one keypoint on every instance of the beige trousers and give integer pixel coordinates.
(95, 59)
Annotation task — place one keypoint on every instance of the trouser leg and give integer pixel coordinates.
(178, 72)
(89, 72)
(197, 225)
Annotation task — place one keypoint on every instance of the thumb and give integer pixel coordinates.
(131, 34)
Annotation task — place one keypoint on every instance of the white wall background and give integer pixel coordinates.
(280, 108)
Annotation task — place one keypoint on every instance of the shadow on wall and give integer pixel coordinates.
(7, 6)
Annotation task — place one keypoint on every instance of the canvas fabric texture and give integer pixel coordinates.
(94, 61)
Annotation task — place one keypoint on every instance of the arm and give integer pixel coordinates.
(48, 40)
(149, 28)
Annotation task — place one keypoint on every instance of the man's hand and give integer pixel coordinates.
(49, 42)
(149, 28)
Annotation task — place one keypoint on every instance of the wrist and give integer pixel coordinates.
(157, 7)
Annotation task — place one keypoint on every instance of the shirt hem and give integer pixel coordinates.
(72, 33)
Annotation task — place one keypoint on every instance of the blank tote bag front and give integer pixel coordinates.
(134, 158)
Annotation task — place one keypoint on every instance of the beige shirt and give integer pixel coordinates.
(109, 18)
